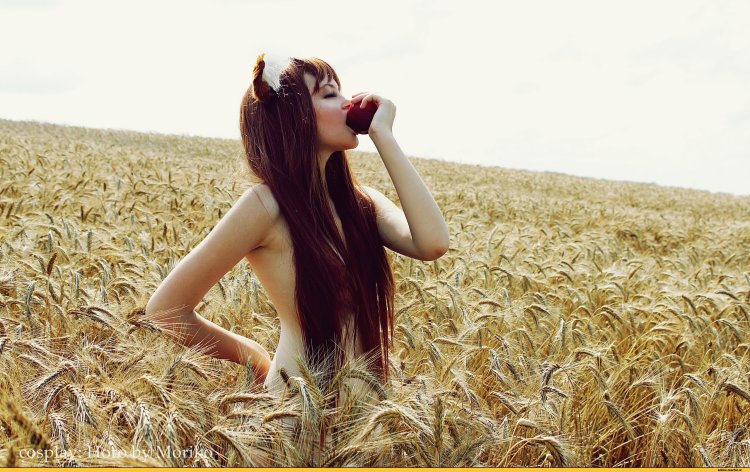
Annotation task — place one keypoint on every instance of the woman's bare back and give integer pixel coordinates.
(272, 262)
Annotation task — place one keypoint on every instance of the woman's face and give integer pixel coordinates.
(330, 112)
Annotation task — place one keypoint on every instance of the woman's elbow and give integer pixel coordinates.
(436, 252)
(152, 308)
(159, 312)
(442, 247)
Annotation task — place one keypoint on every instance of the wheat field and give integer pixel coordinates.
(573, 322)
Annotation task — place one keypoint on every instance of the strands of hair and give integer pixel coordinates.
(280, 140)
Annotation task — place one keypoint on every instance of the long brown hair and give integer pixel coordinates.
(279, 134)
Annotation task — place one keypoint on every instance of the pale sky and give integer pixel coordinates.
(649, 91)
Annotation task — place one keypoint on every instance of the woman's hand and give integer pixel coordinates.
(261, 369)
(259, 359)
(382, 122)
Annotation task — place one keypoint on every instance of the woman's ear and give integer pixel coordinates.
(262, 91)
(267, 76)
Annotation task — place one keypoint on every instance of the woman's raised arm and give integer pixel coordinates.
(423, 233)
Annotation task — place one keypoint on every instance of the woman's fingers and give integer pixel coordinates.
(357, 96)
(363, 97)
(371, 98)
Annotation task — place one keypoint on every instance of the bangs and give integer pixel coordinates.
(321, 70)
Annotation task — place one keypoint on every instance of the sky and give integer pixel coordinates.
(648, 91)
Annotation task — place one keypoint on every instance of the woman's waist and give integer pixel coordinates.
(275, 383)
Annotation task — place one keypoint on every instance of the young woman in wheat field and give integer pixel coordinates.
(314, 237)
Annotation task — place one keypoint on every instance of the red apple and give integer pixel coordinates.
(359, 119)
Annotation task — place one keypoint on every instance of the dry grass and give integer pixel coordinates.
(574, 322)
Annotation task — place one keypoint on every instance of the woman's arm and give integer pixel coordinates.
(426, 225)
(242, 229)
(191, 329)
(429, 230)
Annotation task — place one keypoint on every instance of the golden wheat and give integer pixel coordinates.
(574, 322)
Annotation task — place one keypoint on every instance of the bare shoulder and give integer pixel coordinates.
(372, 193)
(393, 226)
(382, 203)
(263, 193)
(366, 188)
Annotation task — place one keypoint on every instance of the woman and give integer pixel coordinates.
(313, 236)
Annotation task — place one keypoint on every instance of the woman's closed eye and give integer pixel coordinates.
(330, 95)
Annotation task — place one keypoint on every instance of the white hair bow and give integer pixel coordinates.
(275, 65)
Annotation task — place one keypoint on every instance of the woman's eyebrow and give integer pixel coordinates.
(327, 85)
